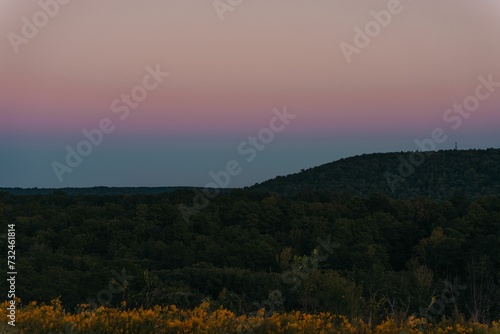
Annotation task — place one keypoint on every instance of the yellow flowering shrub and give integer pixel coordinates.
(35, 318)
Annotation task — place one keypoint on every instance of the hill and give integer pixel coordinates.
(436, 174)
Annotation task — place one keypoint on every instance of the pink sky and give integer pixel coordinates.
(226, 76)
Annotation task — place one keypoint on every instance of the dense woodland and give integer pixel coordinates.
(436, 174)
(363, 255)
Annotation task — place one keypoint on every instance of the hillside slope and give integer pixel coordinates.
(438, 174)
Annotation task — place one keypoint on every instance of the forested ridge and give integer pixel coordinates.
(436, 174)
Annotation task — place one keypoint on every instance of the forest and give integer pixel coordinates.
(367, 256)
(436, 174)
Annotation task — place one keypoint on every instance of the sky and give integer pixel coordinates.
(173, 92)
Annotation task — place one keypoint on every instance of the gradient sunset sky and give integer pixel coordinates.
(225, 78)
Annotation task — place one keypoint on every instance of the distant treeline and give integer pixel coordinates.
(93, 190)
